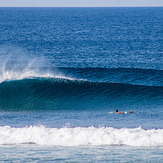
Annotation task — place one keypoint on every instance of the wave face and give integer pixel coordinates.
(83, 89)
(80, 136)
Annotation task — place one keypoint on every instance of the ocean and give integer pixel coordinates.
(64, 72)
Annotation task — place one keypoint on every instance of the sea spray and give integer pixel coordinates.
(17, 64)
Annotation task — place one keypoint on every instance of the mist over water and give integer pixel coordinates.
(16, 64)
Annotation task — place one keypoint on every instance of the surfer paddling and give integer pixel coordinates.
(119, 112)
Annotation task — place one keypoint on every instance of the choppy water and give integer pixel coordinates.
(64, 71)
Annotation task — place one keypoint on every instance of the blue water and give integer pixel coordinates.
(64, 72)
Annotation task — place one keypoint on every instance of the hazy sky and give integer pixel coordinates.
(79, 3)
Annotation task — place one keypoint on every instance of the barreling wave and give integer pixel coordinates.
(81, 136)
(144, 77)
(66, 93)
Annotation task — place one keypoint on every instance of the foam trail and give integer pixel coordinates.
(79, 136)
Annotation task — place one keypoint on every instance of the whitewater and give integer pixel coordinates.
(81, 136)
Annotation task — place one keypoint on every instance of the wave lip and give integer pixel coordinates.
(81, 136)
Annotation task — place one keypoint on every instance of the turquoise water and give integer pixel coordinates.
(64, 72)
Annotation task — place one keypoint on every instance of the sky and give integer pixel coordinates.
(80, 3)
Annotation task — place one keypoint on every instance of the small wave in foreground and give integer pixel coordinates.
(80, 136)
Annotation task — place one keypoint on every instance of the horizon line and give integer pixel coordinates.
(73, 6)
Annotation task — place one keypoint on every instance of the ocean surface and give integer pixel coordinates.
(64, 72)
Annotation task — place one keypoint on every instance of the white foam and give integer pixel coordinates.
(79, 136)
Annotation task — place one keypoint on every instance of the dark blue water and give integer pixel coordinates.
(86, 37)
(64, 71)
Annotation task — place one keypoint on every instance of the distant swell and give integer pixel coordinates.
(80, 136)
(56, 93)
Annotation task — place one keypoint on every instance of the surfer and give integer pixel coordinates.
(119, 112)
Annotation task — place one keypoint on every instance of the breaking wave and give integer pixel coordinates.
(62, 93)
(29, 85)
(80, 136)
